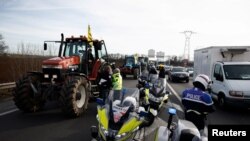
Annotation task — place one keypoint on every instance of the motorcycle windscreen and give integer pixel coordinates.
(120, 95)
(127, 102)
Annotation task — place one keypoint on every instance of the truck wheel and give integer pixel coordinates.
(221, 101)
(136, 73)
(24, 95)
(74, 96)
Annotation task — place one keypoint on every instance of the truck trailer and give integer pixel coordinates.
(229, 69)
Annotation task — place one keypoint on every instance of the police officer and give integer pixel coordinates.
(153, 75)
(197, 102)
(162, 76)
(116, 83)
(105, 83)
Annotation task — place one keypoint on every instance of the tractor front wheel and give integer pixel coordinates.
(27, 93)
(74, 96)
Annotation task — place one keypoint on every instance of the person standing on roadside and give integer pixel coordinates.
(162, 76)
(105, 83)
(116, 83)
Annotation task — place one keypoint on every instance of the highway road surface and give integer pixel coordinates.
(51, 124)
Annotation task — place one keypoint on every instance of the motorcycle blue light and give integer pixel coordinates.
(172, 111)
(124, 91)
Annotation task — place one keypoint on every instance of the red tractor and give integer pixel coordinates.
(70, 78)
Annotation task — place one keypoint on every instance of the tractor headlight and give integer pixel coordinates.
(46, 75)
(73, 67)
(54, 76)
(52, 66)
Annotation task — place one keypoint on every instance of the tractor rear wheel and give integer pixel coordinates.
(74, 96)
(27, 93)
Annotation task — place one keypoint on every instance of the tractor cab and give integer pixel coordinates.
(130, 61)
(90, 56)
(77, 54)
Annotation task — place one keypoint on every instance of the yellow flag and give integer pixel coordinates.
(90, 39)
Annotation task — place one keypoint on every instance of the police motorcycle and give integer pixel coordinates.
(119, 119)
(183, 130)
(152, 97)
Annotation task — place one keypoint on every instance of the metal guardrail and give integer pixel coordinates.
(7, 85)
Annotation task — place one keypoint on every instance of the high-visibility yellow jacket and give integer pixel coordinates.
(117, 81)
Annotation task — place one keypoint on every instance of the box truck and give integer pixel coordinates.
(229, 69)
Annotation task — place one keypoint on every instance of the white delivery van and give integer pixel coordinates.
(229, 69)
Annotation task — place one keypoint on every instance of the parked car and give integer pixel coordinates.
(190, 71)
(178, 74)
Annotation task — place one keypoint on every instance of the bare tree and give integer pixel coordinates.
(3, 46)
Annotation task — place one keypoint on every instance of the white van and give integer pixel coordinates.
(229, 69)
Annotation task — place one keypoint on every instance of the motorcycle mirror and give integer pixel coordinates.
(172, 111)
(100, 101)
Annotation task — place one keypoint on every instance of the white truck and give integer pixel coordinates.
(229, 69)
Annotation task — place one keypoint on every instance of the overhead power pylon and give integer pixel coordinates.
(187, 33)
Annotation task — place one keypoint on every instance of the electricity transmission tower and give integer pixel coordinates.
(187, 34)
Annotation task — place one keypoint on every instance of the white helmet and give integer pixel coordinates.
(203, 79)
(129, 101)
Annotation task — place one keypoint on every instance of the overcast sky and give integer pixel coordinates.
(129, 26)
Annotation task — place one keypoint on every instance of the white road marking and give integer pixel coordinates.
(174, 92)
(8, 112)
